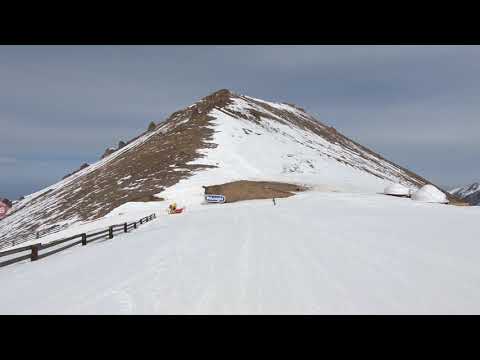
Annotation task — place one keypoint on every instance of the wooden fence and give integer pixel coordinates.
(9, 242)
(35, 252)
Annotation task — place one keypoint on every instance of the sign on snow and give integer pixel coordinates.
(215, 198)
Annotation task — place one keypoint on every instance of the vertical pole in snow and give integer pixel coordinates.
(84, 239)
(141, 221)
(135, 225)
(34, 254)
(110, 232)
(125, 227)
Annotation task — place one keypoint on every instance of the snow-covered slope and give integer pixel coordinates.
(220, 138)
(469, 193)
(313, 253)
(266, 141)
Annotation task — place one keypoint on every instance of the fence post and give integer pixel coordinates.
(135, 225)
(84, 239)
(125, 227)
(141, 221)
(34, 254)
(110, 232)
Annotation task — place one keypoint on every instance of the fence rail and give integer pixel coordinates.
(33, 252)
(12, 241)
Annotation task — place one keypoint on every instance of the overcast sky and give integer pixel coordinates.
(61, 106)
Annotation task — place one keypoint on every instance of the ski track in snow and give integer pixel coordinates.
(325, 253)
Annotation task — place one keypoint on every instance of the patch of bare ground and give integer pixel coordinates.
(457, 202)
(147, 198)
(251, 190)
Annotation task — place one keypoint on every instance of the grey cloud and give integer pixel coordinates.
(62, 105)
(5, 161)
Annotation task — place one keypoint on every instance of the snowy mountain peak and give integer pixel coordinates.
(222, 137)
(469, 193)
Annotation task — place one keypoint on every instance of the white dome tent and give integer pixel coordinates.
(397, 190)
(430, 194)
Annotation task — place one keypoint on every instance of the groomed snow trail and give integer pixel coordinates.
(325, 253)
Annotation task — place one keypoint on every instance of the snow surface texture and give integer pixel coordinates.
(430, 194)
(397, 189)
(314, 253)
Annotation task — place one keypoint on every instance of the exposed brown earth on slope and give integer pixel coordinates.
(133, 174)
(147, 198)
(251, 190)
(457, 202)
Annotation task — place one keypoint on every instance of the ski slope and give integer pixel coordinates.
(314, 253)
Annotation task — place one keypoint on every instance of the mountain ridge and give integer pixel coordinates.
(223, 136)
(469, 193)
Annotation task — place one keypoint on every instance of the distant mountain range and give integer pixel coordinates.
(469, 193)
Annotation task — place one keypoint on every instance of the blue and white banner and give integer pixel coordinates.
(215, 198)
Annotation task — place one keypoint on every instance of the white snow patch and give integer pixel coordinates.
(397, 189)
(430, 194)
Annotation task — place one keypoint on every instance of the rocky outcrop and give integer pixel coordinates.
(151, 126)
(83, 166)
(6, 202)
(108, 151)
(111, 150)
